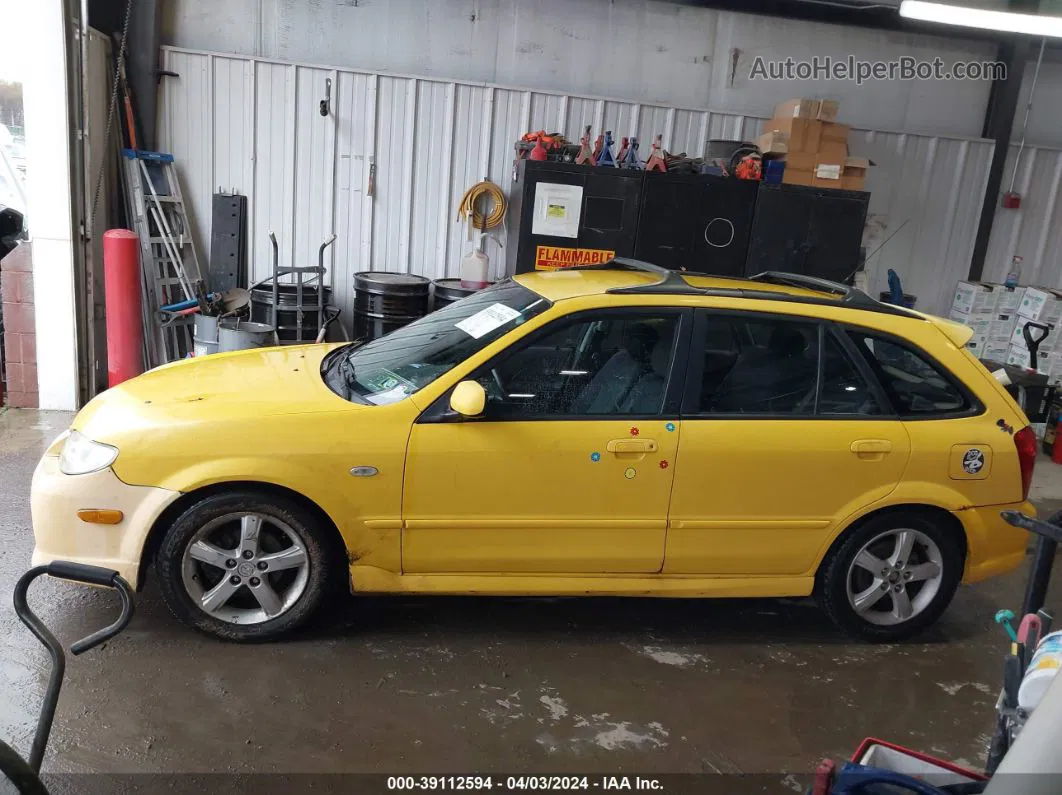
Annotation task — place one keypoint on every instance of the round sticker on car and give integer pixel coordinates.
(973, 461)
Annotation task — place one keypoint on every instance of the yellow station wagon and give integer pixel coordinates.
(620, 430)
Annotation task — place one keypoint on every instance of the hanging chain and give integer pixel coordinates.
(110, 114)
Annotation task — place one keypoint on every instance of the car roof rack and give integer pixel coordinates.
(850, 296)
(672, 282)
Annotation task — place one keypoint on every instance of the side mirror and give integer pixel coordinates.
(468, 399)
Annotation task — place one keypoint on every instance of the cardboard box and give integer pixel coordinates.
(802, 135)
(799, 168)
(833, 142)
(977, 346)
(773, 142)
(1009, 298)
(1041, 305)
(816, 109)
(1001, 328)
(854, 176)
(798, 176)
(1019, 357)
(974, 297)
(995, 351)
(1049, 344)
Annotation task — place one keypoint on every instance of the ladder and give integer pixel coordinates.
(168, 262)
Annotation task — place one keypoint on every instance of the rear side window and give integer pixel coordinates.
(915, 385)
(777, 367)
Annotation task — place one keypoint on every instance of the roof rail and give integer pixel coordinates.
(672, 282)
(850, 296)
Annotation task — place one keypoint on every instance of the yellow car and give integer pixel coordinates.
(619, 430)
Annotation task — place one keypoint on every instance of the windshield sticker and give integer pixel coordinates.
(390, 396)
(486, 320)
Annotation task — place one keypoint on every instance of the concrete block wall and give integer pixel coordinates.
(20, 336)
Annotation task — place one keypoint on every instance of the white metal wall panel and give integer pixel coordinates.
(433, 145)
(926, 193)
(1034, 231)
(187, 125)
(395, 131)
(315, 153)
(430, 140)
(661, 53)
(355, 117)
(233, 115)
(271, 196)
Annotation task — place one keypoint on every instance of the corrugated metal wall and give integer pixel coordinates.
(254, 125)
(668, 53)
(1034, 231)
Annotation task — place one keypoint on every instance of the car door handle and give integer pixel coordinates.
(631, 446)
(871, 447)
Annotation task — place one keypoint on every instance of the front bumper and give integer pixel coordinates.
(59, 534)
(994, 547)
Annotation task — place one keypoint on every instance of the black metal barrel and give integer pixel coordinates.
(385, 301)
(288, 330)
(446, 291)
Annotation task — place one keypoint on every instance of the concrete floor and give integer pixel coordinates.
(500, 685)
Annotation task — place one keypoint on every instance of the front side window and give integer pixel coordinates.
(915, 386)
(393, 367)
(604, 364)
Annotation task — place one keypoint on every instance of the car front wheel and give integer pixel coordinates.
(244, 566)
(892, 577)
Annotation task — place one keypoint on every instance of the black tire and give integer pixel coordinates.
(832, 581)
(316, 541)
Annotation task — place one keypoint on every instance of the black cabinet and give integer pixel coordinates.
(607, 218)
(696, 222)
(812, 231)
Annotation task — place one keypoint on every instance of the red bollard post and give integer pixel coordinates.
(125, 329)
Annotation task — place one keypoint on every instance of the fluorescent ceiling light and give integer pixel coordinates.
(965, 16)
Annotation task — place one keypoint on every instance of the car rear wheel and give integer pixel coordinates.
(244, 566)
(892, 576)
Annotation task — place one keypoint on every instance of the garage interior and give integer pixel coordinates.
(333, 170)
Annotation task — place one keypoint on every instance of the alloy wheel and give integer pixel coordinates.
(895, 576)
(245, 568)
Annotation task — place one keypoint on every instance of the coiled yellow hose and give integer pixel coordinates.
(467, 206)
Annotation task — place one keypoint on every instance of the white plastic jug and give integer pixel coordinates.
(475, 266)
(1043, 667)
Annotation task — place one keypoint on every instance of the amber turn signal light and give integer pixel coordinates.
(100, 515)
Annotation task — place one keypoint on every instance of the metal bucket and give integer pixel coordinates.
(234, 335)
(205, 336)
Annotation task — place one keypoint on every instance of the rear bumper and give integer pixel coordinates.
(56, 498)
(993, 546)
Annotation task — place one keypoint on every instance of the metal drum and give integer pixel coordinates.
(446, 291)
(385, 301)
(288, 326)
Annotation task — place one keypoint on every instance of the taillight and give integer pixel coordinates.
(1025, 441)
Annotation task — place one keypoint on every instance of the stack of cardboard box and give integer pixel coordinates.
(805, 134)
(998, 314)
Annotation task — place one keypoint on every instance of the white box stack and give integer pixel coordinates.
(974, 305)
(1009, 298)
(974, 298)
(1044, 306)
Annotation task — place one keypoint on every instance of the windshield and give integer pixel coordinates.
(391, 368)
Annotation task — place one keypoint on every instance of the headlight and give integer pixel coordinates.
(81, 455)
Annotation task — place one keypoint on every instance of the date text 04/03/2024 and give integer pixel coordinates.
(520, 783)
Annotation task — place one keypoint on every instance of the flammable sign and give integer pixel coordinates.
(551, 258)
